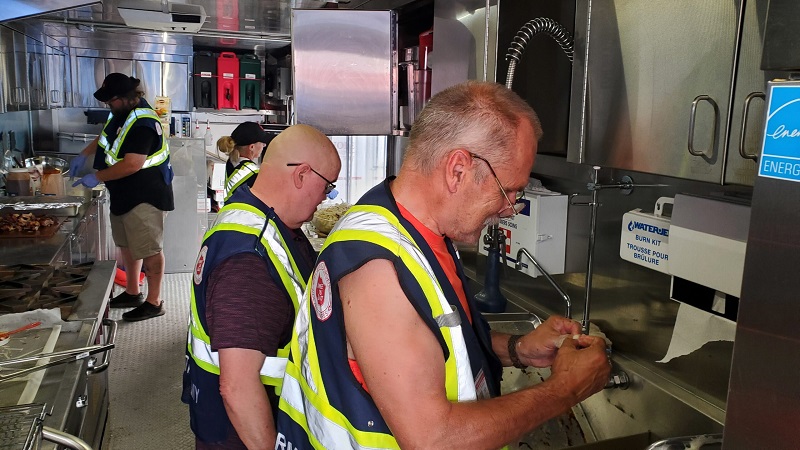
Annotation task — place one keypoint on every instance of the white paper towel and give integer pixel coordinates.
(694, 328)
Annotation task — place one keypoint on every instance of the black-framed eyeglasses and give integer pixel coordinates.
(328, 187)
(514, 206)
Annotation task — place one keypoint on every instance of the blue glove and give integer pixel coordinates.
(76, 165)
(332, 194)
(89, 180)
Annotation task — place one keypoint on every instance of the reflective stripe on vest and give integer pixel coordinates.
(239, 176)
(103, 141)
(248, 219)
(304, 396)
(112, 153)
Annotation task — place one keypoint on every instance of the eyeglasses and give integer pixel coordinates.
(514, 206)
(328, 187)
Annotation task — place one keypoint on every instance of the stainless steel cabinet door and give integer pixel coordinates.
(344, 69)
(658, 80)
(149, 72)
(89, 75)
(59, 79)
(748, 107)
(37, 77)
(15, 80)
(175, 84)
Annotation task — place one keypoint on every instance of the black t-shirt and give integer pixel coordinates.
(145, 185)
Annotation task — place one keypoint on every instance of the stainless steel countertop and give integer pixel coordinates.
(60, 384)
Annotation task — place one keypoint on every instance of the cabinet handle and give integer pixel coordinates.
(54, 95)
(697, 100)
(745, 115)
(110, 339)
(19, 95)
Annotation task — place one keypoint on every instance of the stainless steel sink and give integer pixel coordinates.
(613, 419)
(570, 430)
(563, 431)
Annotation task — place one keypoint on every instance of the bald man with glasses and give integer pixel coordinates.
(250, 273)
(388, 349)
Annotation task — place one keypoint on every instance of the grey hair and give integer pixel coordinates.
(481, 117)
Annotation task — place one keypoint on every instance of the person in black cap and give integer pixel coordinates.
(133, 162)
(243, 147)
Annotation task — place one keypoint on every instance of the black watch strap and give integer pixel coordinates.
(512, 351)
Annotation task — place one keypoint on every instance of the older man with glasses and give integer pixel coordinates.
(251, 271)
(388, 349)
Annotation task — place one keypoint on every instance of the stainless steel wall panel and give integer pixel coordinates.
(175, 85)
(460, 36)
(89, 74)
(764, 393)
(646, 62)
(119, 66)
(345, 70)
(149, 72)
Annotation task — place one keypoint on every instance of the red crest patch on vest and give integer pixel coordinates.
(198, 266)
(321, 294)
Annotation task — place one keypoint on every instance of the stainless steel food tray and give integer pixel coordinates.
(47, 204)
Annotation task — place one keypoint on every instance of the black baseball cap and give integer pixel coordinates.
(116, 85)
(249, 133)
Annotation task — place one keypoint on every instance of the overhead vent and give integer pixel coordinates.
(162, 16)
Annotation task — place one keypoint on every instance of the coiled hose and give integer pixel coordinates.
(538, 25)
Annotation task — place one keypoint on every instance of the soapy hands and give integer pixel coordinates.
(539, 347)
(578, 362)
(89, 180)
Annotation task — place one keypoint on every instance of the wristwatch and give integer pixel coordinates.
(512, 351)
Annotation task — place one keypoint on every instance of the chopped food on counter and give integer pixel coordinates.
(325, 218)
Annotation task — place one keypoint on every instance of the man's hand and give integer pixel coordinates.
(539, 347)
(89, 180)
(76, 165)
(581, 367)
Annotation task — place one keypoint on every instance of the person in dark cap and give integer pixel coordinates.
(131, 157)
(243, 147)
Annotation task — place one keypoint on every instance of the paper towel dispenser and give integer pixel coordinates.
(707, 239)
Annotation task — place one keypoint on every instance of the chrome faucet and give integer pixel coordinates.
(619, 379)
(564, 296)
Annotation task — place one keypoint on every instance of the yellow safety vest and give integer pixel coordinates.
(112, 152)
(304, 398)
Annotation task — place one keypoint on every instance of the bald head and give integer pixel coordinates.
(300, 143)
(295, 191)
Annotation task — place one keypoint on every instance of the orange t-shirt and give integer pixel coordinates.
(439, 247)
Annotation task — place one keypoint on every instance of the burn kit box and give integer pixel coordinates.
(645, 237)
